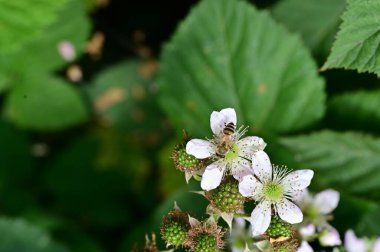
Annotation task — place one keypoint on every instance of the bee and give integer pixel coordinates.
(224, 141)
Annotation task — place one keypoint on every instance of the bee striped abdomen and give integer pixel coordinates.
(229, 129)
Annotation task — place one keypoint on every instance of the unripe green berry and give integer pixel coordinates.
(279, 228)
(174, 228)
(185, 159)
(205, 243)
(186, 162)
(174, 233)
(226, 197)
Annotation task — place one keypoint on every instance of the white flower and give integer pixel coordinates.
(230, 153)
(355, 244)
(329, 237)
(305, 247)
(307, 230)
(318, 208)
(273, 187)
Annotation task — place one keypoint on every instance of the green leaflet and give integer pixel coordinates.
(365, 105)
(316, 20)
(20, 236)
(357, 44)
(369, 225)
(23, 20)
(228, 54)
(41, 55)
(346, 161)
(125, 97)
(45, 103)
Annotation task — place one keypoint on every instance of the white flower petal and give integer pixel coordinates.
(302, 198)
(239, 223)
(305, 247)
(289, 212)
(219, 120)
(193, 222)
(213, 175)
(262, 166)
(376, 246)
(297, 180)
(249, 186)
(307, 231)
(200, 148)
(260, 218)
(240, 168)
(188, 176)
(353, 243)
(326, 201)
(330, 237)
(249, 145)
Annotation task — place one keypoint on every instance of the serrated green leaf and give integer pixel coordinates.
(20, 236)
(317, 20)
(45, 104)
(228, 54)
(23, 20)
(366, 105)
(357, 45)
(347, 161)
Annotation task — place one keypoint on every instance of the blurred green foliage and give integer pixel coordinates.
(86, 140)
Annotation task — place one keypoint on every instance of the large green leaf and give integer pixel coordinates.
(369, 225)
(351, 212)
(45, 104)
(19, 236)
(228, 54)
(366, 105)
(357, 44)
(41, 55)
(347, 161)
(124, 96)
(23, 20)
(317, 20)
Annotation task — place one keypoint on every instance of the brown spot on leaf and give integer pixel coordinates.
(138, 92)
(110, 97)
(262, 88)
(74, 73)
(95, 46)
(148, 68)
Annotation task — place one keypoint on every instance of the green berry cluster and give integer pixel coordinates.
(205, 243)
(279, 228)
(227, 198)
(186, 160)
(175, 233)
